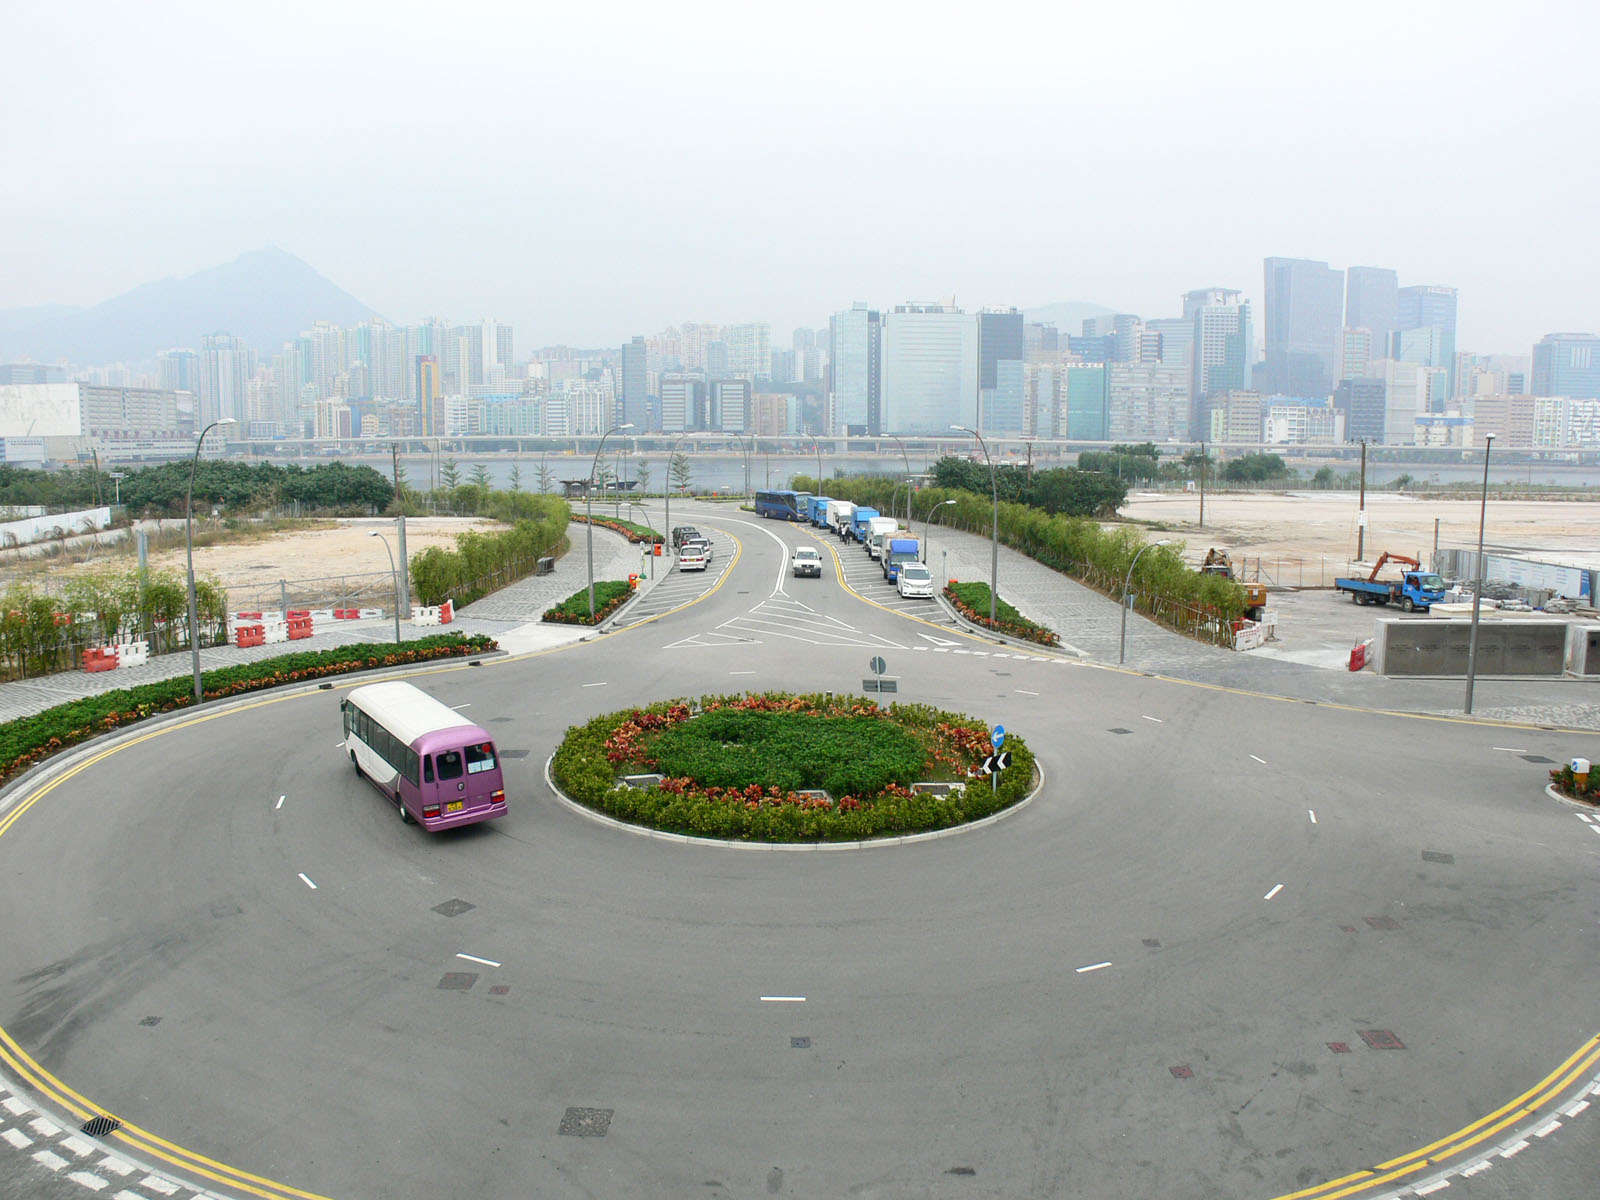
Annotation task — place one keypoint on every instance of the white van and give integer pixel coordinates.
(879, 531)
(839, 514)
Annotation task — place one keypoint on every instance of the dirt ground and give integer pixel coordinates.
(1321, 527)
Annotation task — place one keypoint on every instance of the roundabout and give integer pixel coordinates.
(1219, 953)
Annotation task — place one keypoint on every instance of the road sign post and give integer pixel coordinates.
(877, 667)
(997, 738)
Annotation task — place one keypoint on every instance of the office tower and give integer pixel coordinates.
(716, 358)
(1372, 301)
(1510, 418)
(783, 366)
(1002, 349)
(1167, 340)
(1122, 328)
(810, 349)
(1304, 314)
(1042, 342)
(635, 384)
(1222, 340)
(682, 397)
(225, 364)
(31, 372)
(385, 349)
(930, 369)
(1232, 417)
(1098, 348)
(1430, 308)
(730, 405)
(1041, 387)
(429, 414)
(1355, 353)
(749, 350)
(1362, 402)
(176, 370)
(1085, 402)
(855, 350)
(1405, 398)
(494, 350)
(1149, 402)
(1567, 364)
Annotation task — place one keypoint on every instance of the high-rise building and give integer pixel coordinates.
(1230, 417)
(682, 398)
(1362, 401)
(635, 384)
(226, 363)
(1304, 315)
(930, 369)
(1149, 402)
(1002, 350)
(1356, 353)
(1042, 342)
(430, 417)
(1041, 388)
(855, 352)
(176, 370)
(1224, 344)
(730, 405)
(1567, 364)
(1085, 403)
(1426, 307)
(1509, 418)
(1372, 301)
(749, 350)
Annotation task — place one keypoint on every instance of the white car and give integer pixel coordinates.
(807, 561)
(914, 579)
(691, 558)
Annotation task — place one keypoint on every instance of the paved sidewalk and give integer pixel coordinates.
(510, 616)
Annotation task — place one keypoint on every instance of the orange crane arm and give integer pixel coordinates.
(1386, 557)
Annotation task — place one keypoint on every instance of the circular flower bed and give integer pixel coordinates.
(782, 768)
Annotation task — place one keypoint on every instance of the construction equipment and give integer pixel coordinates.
(1255, 594)
(1415, 591)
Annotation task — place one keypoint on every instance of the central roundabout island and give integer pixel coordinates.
(774, 767)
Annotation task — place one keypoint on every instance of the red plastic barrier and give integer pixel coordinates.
(99, 660)
(1358, 656)
(249, 635)
(299, 626)
(295, 613)
(447, 612)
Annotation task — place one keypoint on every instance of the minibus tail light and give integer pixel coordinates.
(498, 796)
(430, 811)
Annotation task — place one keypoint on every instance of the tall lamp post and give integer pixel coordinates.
(818, 445)
(188, 541)
(393, 574)
(672, 457)
(1122, 641)
(633, 505)
(926, 536)
(588, 505)
(994, 536)
(907, 460)
(1477, 585)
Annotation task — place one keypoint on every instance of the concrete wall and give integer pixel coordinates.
(1505, 647)
(36, 529)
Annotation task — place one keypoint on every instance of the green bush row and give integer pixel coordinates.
(583, 770)
(29, 740)
(972, 601)
(574, 610)
(631, 530)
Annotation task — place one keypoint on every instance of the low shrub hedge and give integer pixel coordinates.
(755, 801)
(29, 740)
(574, 610)
(1567, 784)
(972, 602)
(628, 529)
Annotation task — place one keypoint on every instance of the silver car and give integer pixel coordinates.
(914, 579)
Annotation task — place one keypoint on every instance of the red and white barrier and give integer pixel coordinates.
(447, 612)
(425, 614)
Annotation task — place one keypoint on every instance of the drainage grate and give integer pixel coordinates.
(586, 1122)
(324, 687)
(100, 1126)
(1438, 856)
(1347, 929)
(453, 908)
(1153, 943)
(1182, 1072)
(799, 1043)
(1381, 1039)
(500, 720)
(1383, 923)
(962, 1171)
(500, 989)
(1339, 1047)
(1120, 731)
(225, 909)
(458, 981)
(151, 1021)
(514, 754)
(1536, 758)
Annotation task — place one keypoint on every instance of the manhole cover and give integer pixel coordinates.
(1339, 1047)
(225, 910)
(962, 1171)
(1381, 1039)
(1153, 943)
(151, 1021)
(1536, 758)
(458, 981)
(499, 989)
(1182, 1072)
(1383, 923)
(799, 1043)
(453, 908)
(1121, 731)
(1438, 856)
(100, 1126)
(586, 1122)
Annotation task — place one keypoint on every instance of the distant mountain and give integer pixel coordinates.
(265, 297)
(1067, 315)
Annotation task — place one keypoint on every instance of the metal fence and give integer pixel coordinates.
(370, 589)
(39, 657)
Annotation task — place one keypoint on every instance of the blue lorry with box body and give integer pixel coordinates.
(900, 550)
(858, 522)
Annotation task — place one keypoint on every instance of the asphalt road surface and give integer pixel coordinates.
(1237, 946)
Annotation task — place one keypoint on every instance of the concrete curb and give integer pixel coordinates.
(600, 818)
(984, 631)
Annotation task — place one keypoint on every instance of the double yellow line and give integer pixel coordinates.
(1436, 1154)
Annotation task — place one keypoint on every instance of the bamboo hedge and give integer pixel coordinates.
(483, 562)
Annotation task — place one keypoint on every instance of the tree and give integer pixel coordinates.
(679, 471)
(479, 476)
(644, 478)
(545, 476)
(450, 474)
(1324, 477)
(1255, 468)
(1076, 493)
(516, 477)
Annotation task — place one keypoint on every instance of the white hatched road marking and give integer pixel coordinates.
(1099, 966)
(1515, 1148)
(44, 1127)
(1483, 1164)
(14, 1106)
(488, 962)
(93, 1182)
(50, 1159)
(1432, 1187)
(1547, 1129)
(1276, 888)
(18, 1139)
(157, 1184)
(77, 1145)
(117, 1166)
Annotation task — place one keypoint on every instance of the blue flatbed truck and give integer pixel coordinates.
(1415, 591)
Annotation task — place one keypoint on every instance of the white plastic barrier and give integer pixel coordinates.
(321, 614)
(1248, 636)
(132, 654)
(368, 614)
(1269, 624)
(276, 631)
(425, 615)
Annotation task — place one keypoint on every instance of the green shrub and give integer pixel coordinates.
(29, 740)
(1567, 784)
(972, 601)
(609, 595)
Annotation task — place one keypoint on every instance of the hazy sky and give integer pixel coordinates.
(589, 171)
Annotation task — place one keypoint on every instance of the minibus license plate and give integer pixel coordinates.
(455, 806)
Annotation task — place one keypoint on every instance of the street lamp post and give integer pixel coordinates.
(652, 555)
(994, 536)
(926, 527)
(1477, 585)
(1122, 641)
(818, 445)
(393, 574)
(672, 457)
(188, 540)
(907, 460)
(588, 505)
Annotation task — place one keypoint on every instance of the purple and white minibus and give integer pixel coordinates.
(437, 766)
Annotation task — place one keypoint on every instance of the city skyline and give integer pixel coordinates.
(554, 173)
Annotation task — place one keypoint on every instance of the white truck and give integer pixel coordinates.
(879, 531)
(839, 514)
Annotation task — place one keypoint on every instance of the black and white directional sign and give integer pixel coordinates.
(996, 762)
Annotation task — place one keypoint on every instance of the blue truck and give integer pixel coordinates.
(858, 522)
(900, 550)
(818, 514)
(1415, 591)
